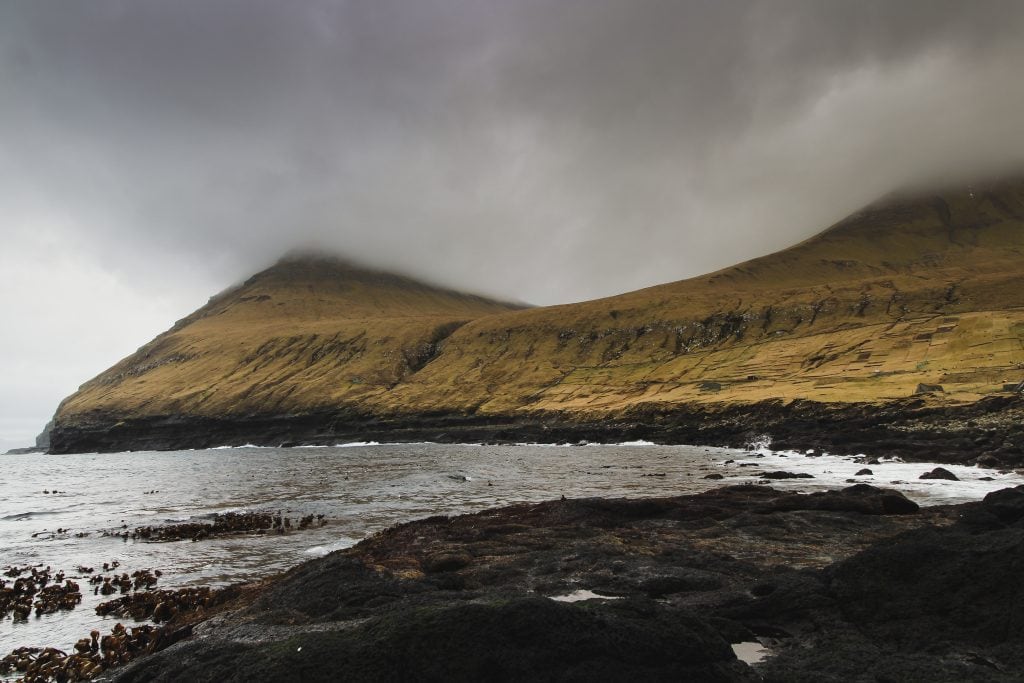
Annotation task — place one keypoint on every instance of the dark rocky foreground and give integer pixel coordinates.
(852, 585)
(990, 431)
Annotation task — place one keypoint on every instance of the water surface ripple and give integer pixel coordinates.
(360, 490)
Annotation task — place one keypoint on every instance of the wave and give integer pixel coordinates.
(830, 471)
(21, 516)
(321, 550)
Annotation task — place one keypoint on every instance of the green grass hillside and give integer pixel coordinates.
(917, 289)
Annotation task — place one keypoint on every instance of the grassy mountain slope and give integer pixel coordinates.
(309, 331)
(913, 290)
(916, 289)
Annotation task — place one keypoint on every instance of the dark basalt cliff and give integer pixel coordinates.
(852, 585)
(987, 432)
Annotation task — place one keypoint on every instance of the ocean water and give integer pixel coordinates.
(359, 488)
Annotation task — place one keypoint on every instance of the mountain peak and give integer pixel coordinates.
(339, 275)
(908, 294)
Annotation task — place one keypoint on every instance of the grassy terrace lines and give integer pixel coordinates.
(912, 290)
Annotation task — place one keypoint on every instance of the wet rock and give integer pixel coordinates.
(940, 473)
(861, 498)
(682, 580)
(987, 460)
(714, 475)
(787, 475)
(511, 639)
(446, 562)
(1006, 504)
(865, 472)
(739, 562)
(936, 592)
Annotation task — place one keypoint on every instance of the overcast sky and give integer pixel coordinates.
(153, 153)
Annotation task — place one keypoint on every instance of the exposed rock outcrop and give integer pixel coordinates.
(857, 584)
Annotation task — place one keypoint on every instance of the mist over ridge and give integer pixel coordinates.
(536, 151)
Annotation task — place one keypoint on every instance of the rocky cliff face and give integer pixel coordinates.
(43, 440)
(914, 295)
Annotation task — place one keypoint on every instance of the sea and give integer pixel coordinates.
(67, 511)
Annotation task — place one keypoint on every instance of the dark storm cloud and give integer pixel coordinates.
(542, 150)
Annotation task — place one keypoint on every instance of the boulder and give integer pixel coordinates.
(781, 474)
(1006, 504)
(928, 388)
(862, 498)
(864, 473)
(940, 473)
(987, 460)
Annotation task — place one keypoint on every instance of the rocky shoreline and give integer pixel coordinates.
(851, 585)
(989, 432)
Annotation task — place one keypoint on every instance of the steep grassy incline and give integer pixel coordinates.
(922, 289)
(308, 332)
(926, 289)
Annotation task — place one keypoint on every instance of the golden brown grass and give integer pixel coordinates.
(924, 289)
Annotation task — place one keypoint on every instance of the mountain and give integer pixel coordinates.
(908, 291)
(309, 331)
(910, 309)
